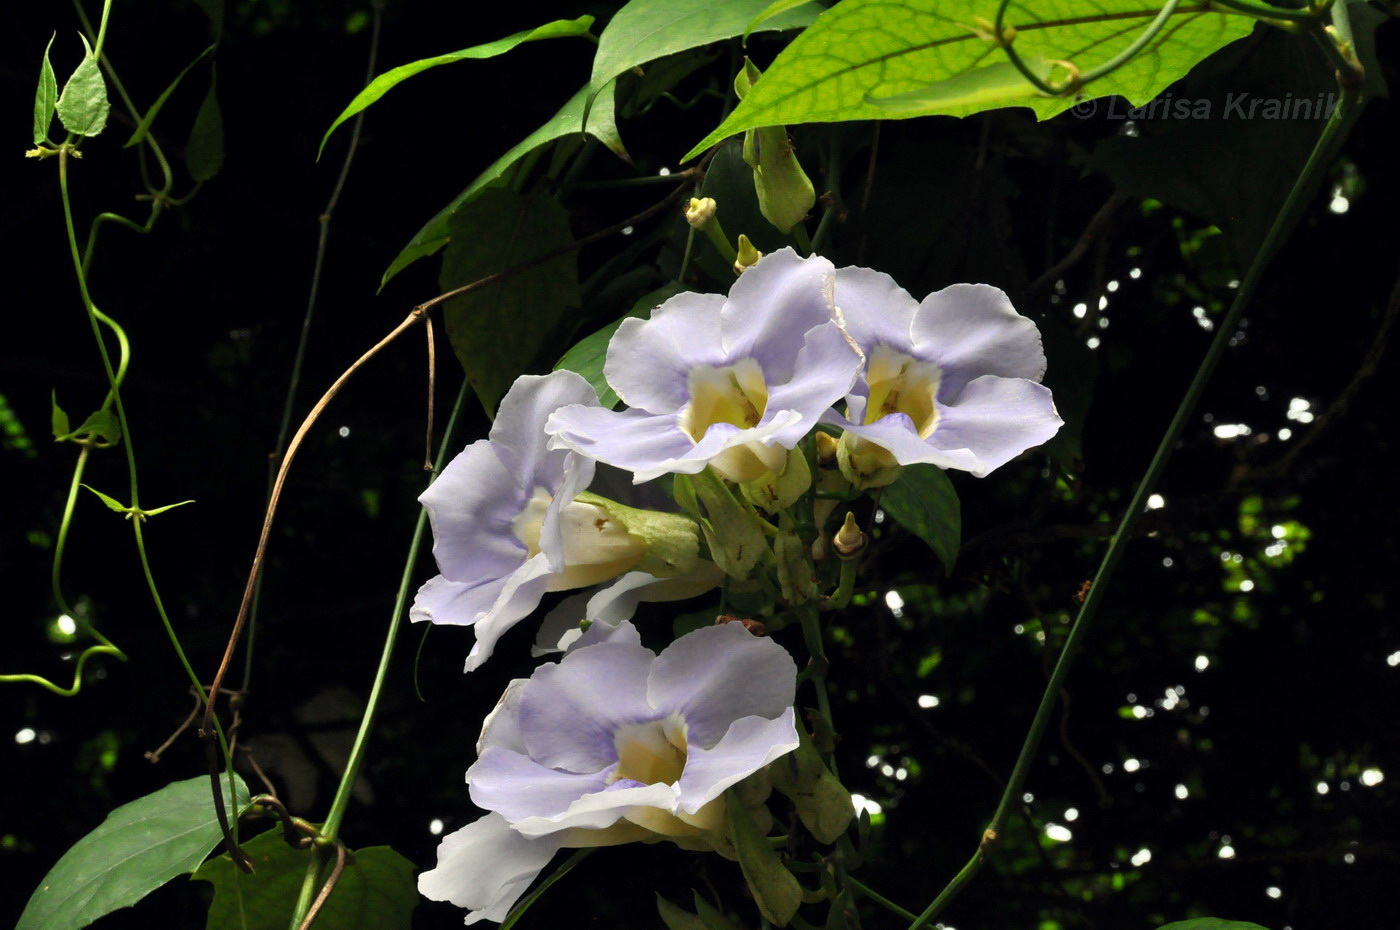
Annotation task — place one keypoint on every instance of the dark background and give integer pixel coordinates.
(1297, 691)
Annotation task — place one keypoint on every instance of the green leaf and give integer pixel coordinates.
(860, 52)
(568, 121)
(204, 153)
(155, 510)
(924, 503)
(111, 502)
(59, 419)
(145, 125)
(588, 354)
(83, 106)
(101, 429)
(1210, 923)
(645, 30)
(999, 84)
(822, 802)
(677, 918)
(560, 28)
(376, 891)
(731, 531)
(775, 890)
(499, 330)
(138, 848)
(45, 98)
(771, 10)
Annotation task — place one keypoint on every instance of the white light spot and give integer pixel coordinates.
(1071, 814)
(1103, 303)
(1131, 765)
(1135, 273)
(862, 803)
(627, 230)
(1226, 852)
(1202, 663)
(1372, 777)
(664, 172)
(1112, 286)
(1285, 434)
(1139, 711)
(1107, 768)
(1300, 409)
(1156, 502)
(928, 700)
(1339, 205)
(879, 517)
(1198, 312)
(25, 736)
(1273, 892)
(1103, 322)
(901, 773)
(1167, 562)
(66, 625)
(1322, 787)
(1278, 532)
(435, 826)
(872, 761)
(1141, 857)
(1231, 430)
(343, 431)
(1093, 342)
(1080, 310)
(1349, 858)
(893, 601)
(1027, 798)
(1181, 792)
(887, 770)
(1018, 629)
(1058, 833)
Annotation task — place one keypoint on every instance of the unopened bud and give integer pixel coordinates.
(755, 627)
(826, 449)
(700, 211)
(748, 255)
(849, 542)
(748, 75)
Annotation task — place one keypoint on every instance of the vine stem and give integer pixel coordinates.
(331, 828)
(1283, 224)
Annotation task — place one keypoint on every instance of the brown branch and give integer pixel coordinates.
(1098, 225)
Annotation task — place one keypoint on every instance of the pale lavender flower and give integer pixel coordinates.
(506, 527)
(731, 382)
(615, 744)
(952, 381)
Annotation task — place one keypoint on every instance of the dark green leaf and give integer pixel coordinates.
(498, 331)
(385, 82)
(83, 106)
(204, 153)
(851, 65)
(568, 121)
(924, 503)
(59, 419)
(589, 353)
(101, 428)
(376, 891)
(1210, 923)
(45, 98)
(645, 30)
(145, 125)
(775, 890)
(677, 918)
(138, 848)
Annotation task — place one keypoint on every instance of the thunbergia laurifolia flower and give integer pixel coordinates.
(952, 380)
(615, 744)
(730, 382)
(507, 526)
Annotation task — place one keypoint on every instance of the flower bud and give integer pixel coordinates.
(666, 544)
(748, 255)
(866, 464)
(700, 211)
(826, 449)
(785, 193)
(849, 541)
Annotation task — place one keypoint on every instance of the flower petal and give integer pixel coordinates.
(502, 726)
(649, 361)
(971, 330)
(772, 306)
(520, 594)
(570, 711)
(895, 432)
(875, 310)
(516, 787)
(748, 745)
(717, 675)
(603, 809)
(645, 444)
(617, 602)
(471, 507)
(826, 368)
(995, 420)
(485, 867)
(520, 443)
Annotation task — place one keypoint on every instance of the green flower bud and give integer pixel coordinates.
(785, 193)
(779, 490)
(849, 541)
(748, 256)
(671, 540)
(700, 211)
(865, 464)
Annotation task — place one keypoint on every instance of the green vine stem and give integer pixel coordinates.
(331, 828)
(1283, 223)
(1266, 12)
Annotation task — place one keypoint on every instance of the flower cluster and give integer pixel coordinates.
(615, 743)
